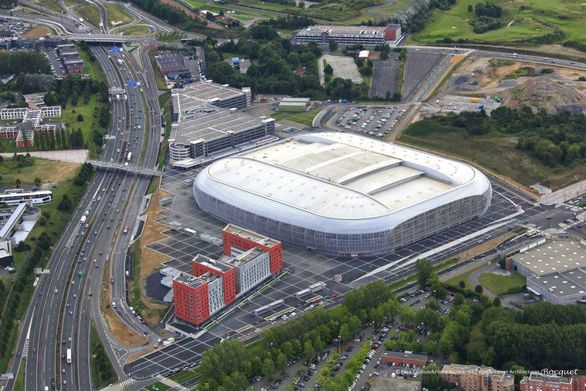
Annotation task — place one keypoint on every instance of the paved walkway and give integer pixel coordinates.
(68, 156)
(173, 384)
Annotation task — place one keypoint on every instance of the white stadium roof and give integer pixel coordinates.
(338, 177)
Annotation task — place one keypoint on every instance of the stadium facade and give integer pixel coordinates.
(366, 36)
(342, 194)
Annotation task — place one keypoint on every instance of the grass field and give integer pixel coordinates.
(49, 171)
(38, 31)
(90, 68)
(134, 30)
(158, 386)
(304, 118)
(495, 153)
(117, 15)
(499, 284)
(454, 281)
(70, 113)
(51, 4)
(336, 12)
(90, 13)
(102, 371)
(522, 20)
(183, 376)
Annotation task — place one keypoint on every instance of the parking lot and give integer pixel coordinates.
(56, 65)
(303, 268)
(374, 121)
(384, 77)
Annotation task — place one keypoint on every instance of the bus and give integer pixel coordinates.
(68, 356)
(129, 157)
(36, 282)
(42, 197)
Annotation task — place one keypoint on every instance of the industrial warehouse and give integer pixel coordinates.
(206, 120)
(342, 194)
(366, 36)
(555, 270)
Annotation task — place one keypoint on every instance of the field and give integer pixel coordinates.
(70, 113)
(501, 284)
(158, 386)
(51, 4)
(304, 118)
(49, 171)
(522, 20)
(344, 67)
(337, 12)
(90, 13)
(117, 15)
(495, 153)
(38, 31)
(134, 30)
(102, 371)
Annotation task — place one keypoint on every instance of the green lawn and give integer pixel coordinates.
(19, 383)
(70, 113)
(183, 376)
(158, 386)
(134, 30)
(303, 118)
(500, 284)
(117, 15)
(90, 13)
(90, 68)
(497, 153)
(530, 19)
(103, 373)
(454, 281)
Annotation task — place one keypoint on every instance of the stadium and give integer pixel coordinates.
(342, 194)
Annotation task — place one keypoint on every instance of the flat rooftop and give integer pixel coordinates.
(341, 175)
(251, 235)
(202, 92)
(568, 283)
(394, 384)
(416, 356)
(207, 122)
(377, 31)
(553, 256)
(189, 280)
(170, 60)
(211, 263)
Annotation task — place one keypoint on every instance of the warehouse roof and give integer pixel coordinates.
(341, 175)
(569, 283)
(553, 256)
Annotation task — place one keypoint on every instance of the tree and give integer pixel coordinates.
(65, 204)
(268, 367)
(462, 284)
(470, 8)
(308, 352)
(281, 362)
(479, 289)
(496, 302)
(345, 334)
(38, 182)
(424, 271)
(79, 118)
(328, 70)
(17, 183)
(333, 45)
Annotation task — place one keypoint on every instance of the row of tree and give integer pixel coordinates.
(230, 365)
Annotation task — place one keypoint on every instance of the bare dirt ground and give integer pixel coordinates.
(37, 32)
(539, 86)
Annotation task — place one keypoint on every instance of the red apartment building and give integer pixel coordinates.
(249, 258)
(202, 264)
(541, 382)
(238, 240)
(190, 295)
(404, 358)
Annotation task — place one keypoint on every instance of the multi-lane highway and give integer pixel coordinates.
(68, 299)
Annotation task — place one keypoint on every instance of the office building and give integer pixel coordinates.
(206, 120)
(344, 36)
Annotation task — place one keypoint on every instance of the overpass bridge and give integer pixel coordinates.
(122, 167)
(101, 38)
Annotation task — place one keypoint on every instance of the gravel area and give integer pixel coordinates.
(384, 77)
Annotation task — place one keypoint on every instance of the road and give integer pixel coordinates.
(67, 300)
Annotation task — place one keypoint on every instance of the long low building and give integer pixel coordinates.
(206, 119)
(367, 36)
(342, 194)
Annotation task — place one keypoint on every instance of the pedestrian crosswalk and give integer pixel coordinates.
(73, 236)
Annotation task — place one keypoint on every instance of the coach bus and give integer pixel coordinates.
(41, 197)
